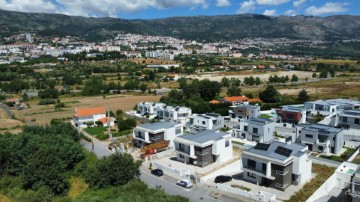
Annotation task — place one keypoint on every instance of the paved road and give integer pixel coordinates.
(7, 110)
(201, 193)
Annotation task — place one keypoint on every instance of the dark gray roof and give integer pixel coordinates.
(351, 112)
(204, 136)
(270, 152)
(321, 128)
(158, 125)
(262, 121)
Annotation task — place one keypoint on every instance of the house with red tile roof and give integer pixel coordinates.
(261, 67)
(92, 115)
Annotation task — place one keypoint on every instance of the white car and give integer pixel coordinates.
(184, 183)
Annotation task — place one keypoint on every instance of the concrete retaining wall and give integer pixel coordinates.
(261, 196)
(324, 189)
(231, 168)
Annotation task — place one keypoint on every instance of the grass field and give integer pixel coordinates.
(9, 125)
(95, 131)
(42, 114)
(322, 174)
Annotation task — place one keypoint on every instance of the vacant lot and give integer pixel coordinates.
(241, 75)
(152, 61)
(42, 114)
(9, 125)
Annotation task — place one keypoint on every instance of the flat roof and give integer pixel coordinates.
(292, 109)
(320, 128)
(272, 150)
(351, 112)
(204, 136)
(158, 125)
(262, 121)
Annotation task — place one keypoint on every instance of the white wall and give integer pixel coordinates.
(324, 189)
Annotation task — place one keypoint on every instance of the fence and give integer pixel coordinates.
(261, 196)
(173, 171)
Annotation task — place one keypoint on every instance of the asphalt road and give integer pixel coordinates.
(197, 193)
(7, 110)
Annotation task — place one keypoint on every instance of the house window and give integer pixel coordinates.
(252, 175)
(345, 119)
(309, 136)
(255, 130)
(227, 143)
(139, 134)
(357, 121)
(203, 122)
(181, 156)
(245, 128)
(251, 163)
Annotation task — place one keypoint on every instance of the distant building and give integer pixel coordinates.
(200, 122)
(82, 116)
(204, 148)
(235, 100)
(277, 165)
(293, 115)
(349, 119)
(176, 114)
(149, 108)
(238, 112)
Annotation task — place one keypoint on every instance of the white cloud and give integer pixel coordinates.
(222, 3)
(246, 6)
(290, 12)
(271, 2)
(269, 12)
(298, 3)
(43, 6)
(98, 7)
(330, 7)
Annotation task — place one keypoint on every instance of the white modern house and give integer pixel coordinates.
(200, 122)
(243, 111)
(204, 148)
(149, 108)
(320, 138)
(277, 165)
(332, 106)
(151, 133)
(175, 114)
(82, 116)
(349, 119)
(257, 130)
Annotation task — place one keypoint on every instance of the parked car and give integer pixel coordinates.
(158, 172)
(222, 179)
(184, 183)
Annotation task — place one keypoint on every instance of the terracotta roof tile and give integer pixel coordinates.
(89, 111)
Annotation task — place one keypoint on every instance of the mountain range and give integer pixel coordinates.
(200, 28)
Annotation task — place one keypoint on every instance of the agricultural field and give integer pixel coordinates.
(9, 125)
(42, 114)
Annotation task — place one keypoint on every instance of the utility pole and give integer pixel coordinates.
(108, 122)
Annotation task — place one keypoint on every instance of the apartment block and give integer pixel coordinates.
(204, 148)
(277, 165)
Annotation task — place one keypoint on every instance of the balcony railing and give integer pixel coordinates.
(254, 169)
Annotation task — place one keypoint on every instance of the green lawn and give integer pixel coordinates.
(342, 157)
(98, 132)
(265, 116)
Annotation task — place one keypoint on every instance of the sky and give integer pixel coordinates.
(149, 9)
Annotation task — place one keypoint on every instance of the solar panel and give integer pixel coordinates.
(262, 146)
(283, 151)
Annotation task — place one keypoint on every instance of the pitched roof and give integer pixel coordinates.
(106, 119)
(89, 111)
(236, 98)
(214, 102)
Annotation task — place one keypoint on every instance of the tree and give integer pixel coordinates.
(117, 169)
(294, 78)
(225, 82)
(257, 81)
(234, 91)
(99, 124)
(143, 87)
(182, 82)
(314, 75)
(175, 94)
(126, 124)
(270, 95)
(303, 96)
(235, 82)
(323, 74)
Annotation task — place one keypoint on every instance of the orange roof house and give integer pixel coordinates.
(105, 120)
(89, 111)
(232, 99)
(261, 67)
(214, 102)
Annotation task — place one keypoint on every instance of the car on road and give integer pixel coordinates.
(184, 183)
(158, 172)
(222, 179)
